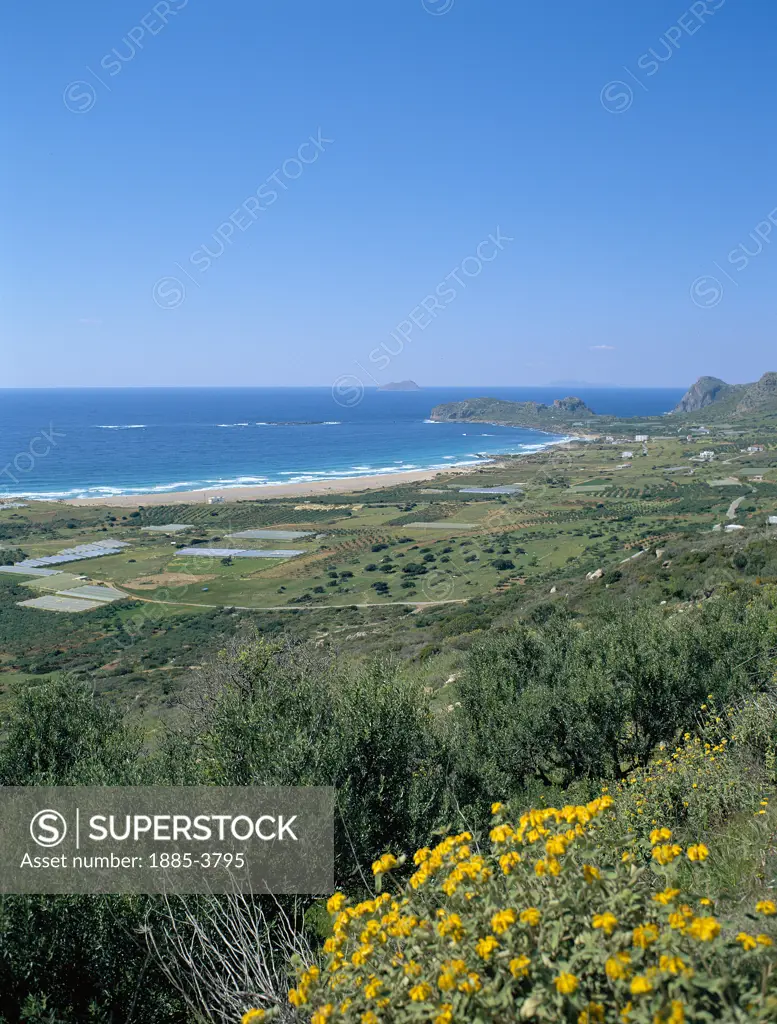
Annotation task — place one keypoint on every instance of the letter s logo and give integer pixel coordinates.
(48, 828)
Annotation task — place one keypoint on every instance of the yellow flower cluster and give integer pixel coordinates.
(691, 783)
(550, 920)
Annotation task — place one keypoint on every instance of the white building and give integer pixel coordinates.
(756, 448)
(215, 500)
(640, 437)
(707, 456)
(627, 455)
(772, 520)
(732, 527)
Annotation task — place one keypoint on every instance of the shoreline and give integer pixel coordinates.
(301, 489)
(254, 492)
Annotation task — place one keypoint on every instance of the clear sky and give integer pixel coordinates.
(167, 220)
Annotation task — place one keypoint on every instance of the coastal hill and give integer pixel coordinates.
(720, 400)
(709, 399)
(564, 412)
(400, 385)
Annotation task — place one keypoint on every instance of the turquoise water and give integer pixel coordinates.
(92, 442)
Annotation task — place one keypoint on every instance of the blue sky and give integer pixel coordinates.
(167, 219)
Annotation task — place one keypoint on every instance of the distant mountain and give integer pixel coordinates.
(720, 400)
(400, 385)
(564, 412)
(703, 393)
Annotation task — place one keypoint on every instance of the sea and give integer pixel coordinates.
(96, 442)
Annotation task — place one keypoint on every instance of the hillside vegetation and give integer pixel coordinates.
(580, 640)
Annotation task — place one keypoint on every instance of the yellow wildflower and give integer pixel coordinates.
(471, 983)
(677, 1016)
(322, 1015)
(643, 935)
(640, 985)
(766, 907)
(566, 983)
(501, 833)
(444, 1014)
(590, 873)
(698, 852)
(666, 896)
(592, 1014)
(502, 920)
(659, 835)
(764, 940)
(665, 854)
(705, 929)
(556, 846)
(614, 969)
(673, 964)
(747, 941)
(530, 916)
(519, 966)
(508, 861)
(252, 1017)
(606, 922)
(335, 903)
(420, 993)
(384, 864)
(369, 1018)
(485, 947)
(496, 807)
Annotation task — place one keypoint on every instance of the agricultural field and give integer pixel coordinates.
(415, 572)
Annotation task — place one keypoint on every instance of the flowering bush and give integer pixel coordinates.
(723, 768)
(549, 923)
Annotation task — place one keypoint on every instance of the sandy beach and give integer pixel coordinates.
(345, 485)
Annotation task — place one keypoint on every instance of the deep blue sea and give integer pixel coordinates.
(91, 442)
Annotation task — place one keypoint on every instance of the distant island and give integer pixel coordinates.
(400, 385)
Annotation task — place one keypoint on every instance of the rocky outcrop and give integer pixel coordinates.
(704, 392)
(563, 413)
